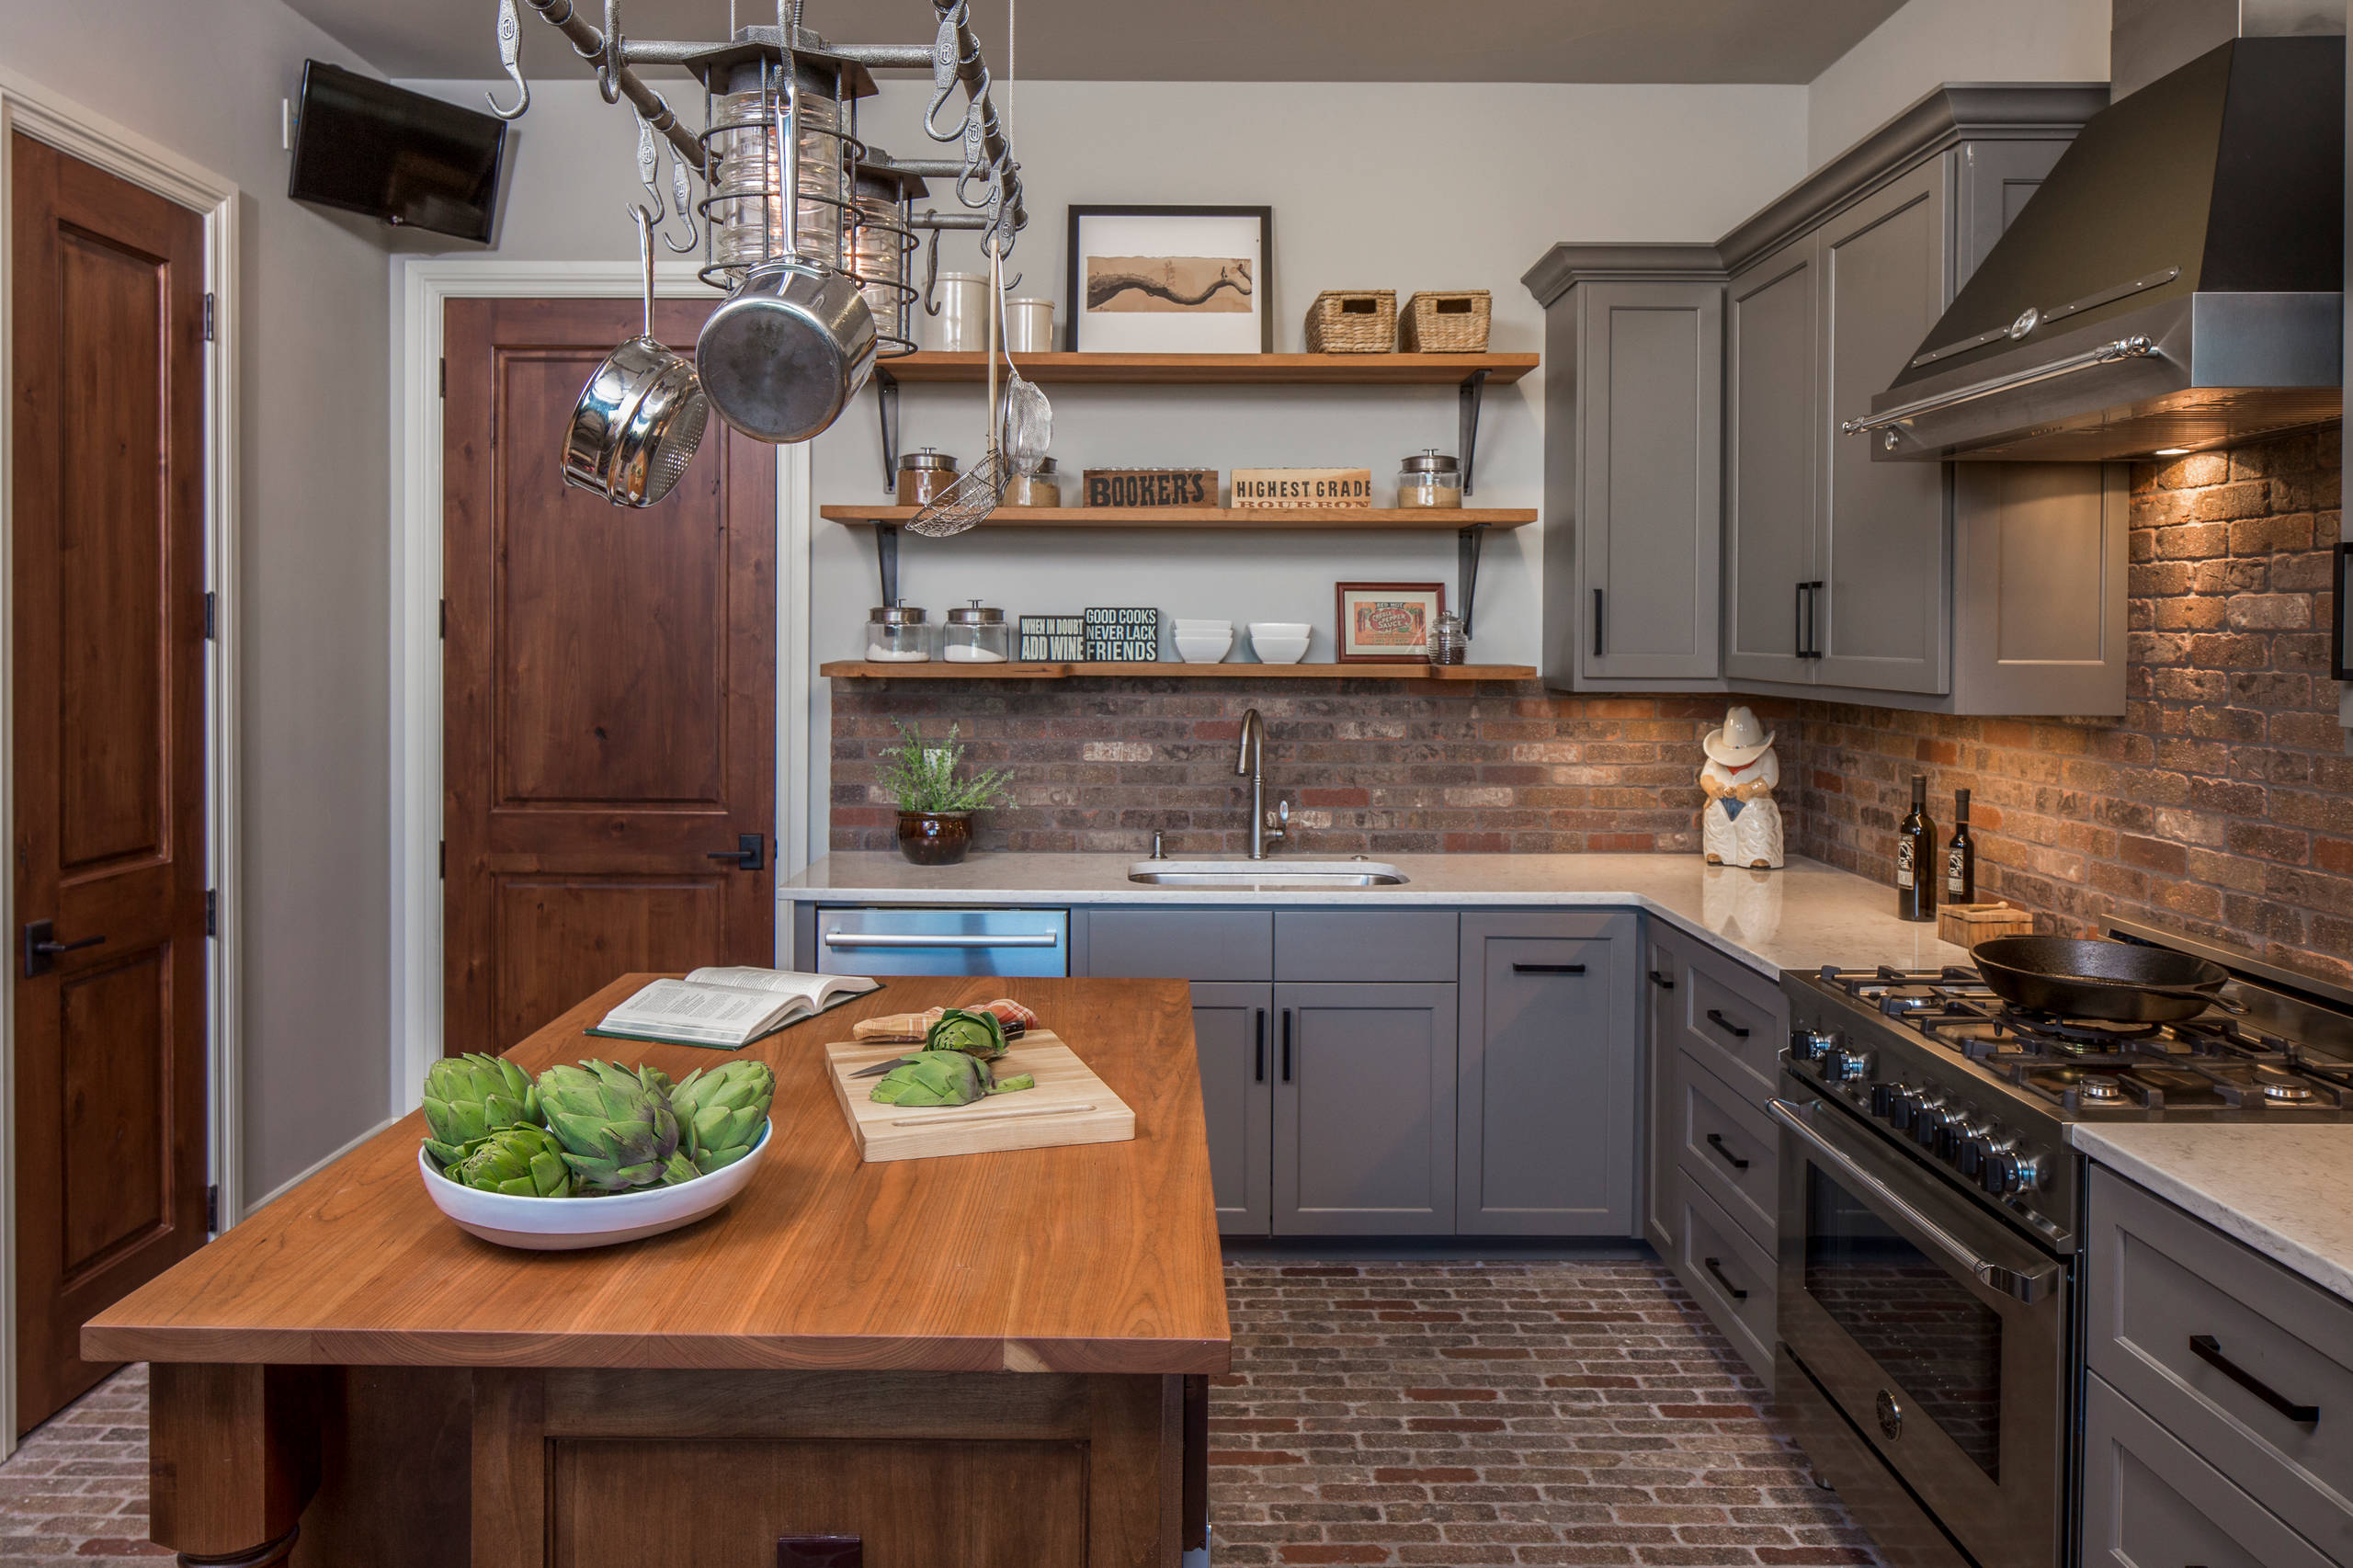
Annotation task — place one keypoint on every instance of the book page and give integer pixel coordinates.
(705, 1012)
(810, 988)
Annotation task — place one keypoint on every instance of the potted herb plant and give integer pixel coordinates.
(936, 806)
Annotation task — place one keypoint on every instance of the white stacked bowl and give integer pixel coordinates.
(1203, 641)
(1279, 642)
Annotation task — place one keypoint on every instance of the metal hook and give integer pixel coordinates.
(976, 165)
(608, 59)
(649, 166)
(682, 199)
(931, 269)
(945, 67)
(510, 55)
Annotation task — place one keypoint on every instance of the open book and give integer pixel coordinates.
(729, 1008)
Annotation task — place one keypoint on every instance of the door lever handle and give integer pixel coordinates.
(749, 854)
(42, 946)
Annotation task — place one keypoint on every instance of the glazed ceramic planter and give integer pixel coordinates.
(934, 838)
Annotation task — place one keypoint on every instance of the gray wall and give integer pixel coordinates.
(205, 79)
(1933, 41)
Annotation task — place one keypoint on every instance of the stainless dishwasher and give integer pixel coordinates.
(854, 940)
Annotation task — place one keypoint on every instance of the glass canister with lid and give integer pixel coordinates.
(1043, 488)
(976, 634)
(897, 634)
(924, 475)
(1448, 643)
(1429, 478)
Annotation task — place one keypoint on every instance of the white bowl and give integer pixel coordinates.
(1278, 628)
(1203, 647)
(1188, 623)
(566, 1224)
(1272, 649)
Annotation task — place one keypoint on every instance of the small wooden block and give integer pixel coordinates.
(1117, 487)
(1070, 1104)
(1966, 924)
(1274, 489)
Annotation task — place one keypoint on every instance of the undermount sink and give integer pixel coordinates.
(1330, 874)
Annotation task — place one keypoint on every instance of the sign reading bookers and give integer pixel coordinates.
(1150, 486)
(1273, 488)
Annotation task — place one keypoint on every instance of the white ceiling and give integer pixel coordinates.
(1231, 40)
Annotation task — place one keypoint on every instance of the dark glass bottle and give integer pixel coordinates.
(1960, 855)
(1915, 858)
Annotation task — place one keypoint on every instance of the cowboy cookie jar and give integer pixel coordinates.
(1741, 826)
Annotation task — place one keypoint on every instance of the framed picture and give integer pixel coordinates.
(2343, 656)
(1170, 280)
(1387, 624)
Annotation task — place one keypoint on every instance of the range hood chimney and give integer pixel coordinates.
(2178, 279)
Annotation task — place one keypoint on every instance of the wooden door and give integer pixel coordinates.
(610, 686)
(1234, 1026)
(1364, 1110)
(1769, 445)
(109, 737)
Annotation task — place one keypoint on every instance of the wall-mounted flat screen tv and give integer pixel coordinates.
(366, 146)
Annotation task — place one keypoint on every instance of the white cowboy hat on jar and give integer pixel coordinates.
(1741, 740)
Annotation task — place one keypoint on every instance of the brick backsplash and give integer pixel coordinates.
(2220, 803)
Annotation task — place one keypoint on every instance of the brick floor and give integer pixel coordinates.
(1443, 1414)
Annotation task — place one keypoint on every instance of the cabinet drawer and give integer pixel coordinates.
(1181, 944)
(2211, 1338)
(2148, 1501)
(1731, 1275)
(1727, 1147)
(1365, 944)
(1735, 1020)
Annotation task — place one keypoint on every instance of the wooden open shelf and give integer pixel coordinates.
(1224, 369)
(1258, 518)
(859, 669)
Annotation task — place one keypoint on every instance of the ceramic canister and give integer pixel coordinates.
(962, 324)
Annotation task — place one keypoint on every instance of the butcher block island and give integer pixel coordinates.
(975, 1359)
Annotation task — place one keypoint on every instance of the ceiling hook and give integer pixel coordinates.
(931, 270)
(608, 58)
(510, 56)
(682, 203)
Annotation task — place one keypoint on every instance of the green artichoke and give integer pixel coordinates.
(469, 1097)
(932, 1078)
(521, 1162)
(617, 1132)
(721, 1111)
(978, 1034)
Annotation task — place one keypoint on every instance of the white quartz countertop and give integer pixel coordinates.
(1802, 917)
(2286, 1192)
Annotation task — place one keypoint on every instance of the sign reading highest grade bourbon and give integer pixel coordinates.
(1302, 487)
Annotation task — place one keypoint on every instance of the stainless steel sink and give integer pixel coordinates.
(1334, 875)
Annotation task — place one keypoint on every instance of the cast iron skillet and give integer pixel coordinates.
(2093, 978)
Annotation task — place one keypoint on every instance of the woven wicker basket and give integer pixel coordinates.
(1446, 323)
(1353, 322)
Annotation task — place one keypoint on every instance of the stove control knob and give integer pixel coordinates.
(1970, 1157)
(1930, 1126)
(1905, 1113)
(2001, 1172)
(1813, 1045)
(1883, 1098)
(1846, 1066)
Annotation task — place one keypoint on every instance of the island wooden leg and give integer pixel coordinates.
(233, 1458)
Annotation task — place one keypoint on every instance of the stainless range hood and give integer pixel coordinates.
(2176, 281)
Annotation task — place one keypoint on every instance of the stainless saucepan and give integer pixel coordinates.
(642, 414)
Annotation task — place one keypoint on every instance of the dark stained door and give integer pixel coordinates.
(109, 742)
(609, 685)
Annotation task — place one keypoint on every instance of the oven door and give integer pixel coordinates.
(1938, 1331)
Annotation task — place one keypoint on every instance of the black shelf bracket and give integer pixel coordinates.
(1468, 544)
(886, 403)
(1475, 387)
(886, 559)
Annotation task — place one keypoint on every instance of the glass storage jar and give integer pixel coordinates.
(924, 475)
(1448, 643)
(1043, 488)
(1429, 478)
(976, 634)
(895, 634)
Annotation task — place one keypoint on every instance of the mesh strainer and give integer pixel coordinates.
(979, 488)
(642, 414)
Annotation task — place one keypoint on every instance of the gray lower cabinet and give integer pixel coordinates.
(2150, 1502)
(1234, 1029)
(1662, 980)
(1550, 1076)
(1364, 1099)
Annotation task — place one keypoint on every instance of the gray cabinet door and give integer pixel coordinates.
(1364, 1110)
(1883, 549)
(1545, 1134)
(1234, 1031)
(1649, 496)
(1663, 981)
(1770, 450)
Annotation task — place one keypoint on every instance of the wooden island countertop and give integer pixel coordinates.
(338, 1374)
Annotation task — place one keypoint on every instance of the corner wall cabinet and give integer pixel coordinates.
(1709, 527)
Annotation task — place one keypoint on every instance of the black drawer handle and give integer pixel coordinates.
(2207, 1348)
(1726, 1025)
(1548, 969)
(1258, 1052)
(1716, 1142)
(1286, 1045)
(1597, 623)
(1734, 1292)
(1661, 980)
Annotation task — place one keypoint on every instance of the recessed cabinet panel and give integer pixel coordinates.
(1364, 1110)
(1771, 448)
(1664, 979)
(1233, 1032)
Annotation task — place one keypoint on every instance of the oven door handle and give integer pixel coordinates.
(2029, 1287)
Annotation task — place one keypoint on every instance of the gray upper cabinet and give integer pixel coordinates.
(1364, 1110)
(1550, 1076)
(1773, 454)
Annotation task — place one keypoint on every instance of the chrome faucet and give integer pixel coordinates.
(1264, 825)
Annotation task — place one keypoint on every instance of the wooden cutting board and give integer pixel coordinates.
(1070, 1104)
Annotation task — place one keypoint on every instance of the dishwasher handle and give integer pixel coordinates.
(916, 940)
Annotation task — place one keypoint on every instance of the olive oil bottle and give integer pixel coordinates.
(1915, 858)
(1960, 855)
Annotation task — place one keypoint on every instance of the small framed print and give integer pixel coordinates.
(1170, 280)
(1387, 624)
(2343, 641)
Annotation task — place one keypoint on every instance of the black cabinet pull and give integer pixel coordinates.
(1809, 599)
(1797, 623)
(1661, 980)
(2209, 1349)
(1734, 1292)
(1716, 1142)
(1726, 1025)
(1597, 623)
(1258, 1051)
(1286, 1045)
(1548, 969)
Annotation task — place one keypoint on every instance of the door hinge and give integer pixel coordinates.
(444, 377)
(211, 616)
(444, 860)
(445, 621)
(212, 1210)
(211, 326)
(212, 912)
